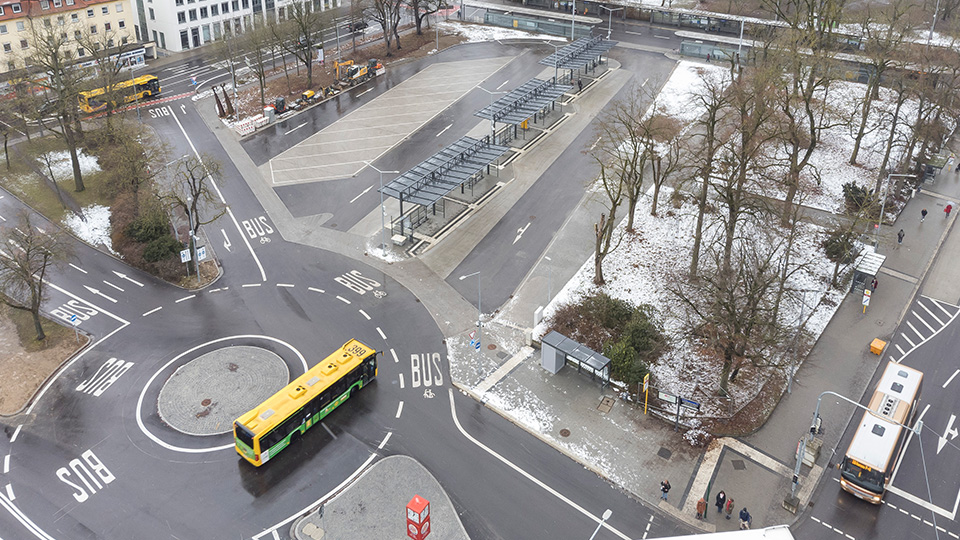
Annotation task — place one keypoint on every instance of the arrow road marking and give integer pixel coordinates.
(124, 276)
(362, 193)
(520, 232)
(444, 129)
(226, 241)
(594, 145)
(183, 108)
(98, 293)
(952, 431)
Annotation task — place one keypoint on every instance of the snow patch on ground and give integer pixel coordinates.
(477, 33)
(95, 229)
(62, 167)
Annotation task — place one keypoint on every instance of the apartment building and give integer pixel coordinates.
(178, 25)
(21, 20)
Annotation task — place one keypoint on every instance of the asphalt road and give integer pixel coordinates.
(83, 464)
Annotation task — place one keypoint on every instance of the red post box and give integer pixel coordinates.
(418, 518)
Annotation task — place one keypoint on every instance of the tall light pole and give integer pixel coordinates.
(606, 515)
(556, 61)
(383, 240)
(479, 328)
(883, 204)
(573, 22)
(493, 123)
(610, 22)
(549, 279)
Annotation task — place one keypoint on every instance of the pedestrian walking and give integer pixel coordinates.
(701, 508)
(745, 518)
(721, 499)
(664, 489)
(900, 237)
(923, 215)
(729, 507)
(947, 210)
(873, 284)
(580, 85)
(708, 57)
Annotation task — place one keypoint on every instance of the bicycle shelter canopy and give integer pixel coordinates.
(440, 174)
(579, 54)
(523, 102)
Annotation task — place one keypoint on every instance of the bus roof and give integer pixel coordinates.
(874, 441)
(896, 392)
(291, 397)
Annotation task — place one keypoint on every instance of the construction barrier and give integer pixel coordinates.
(245, 126)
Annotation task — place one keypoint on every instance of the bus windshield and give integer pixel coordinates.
(244, 435)
(867, 478)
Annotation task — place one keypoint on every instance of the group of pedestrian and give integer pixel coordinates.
(723, 503)
(923, 216)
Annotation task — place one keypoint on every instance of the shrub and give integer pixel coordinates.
(161, 248)
(148, 227)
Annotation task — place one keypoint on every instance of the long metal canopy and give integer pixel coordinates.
(579, 53)
(432, 179)
(522, 103)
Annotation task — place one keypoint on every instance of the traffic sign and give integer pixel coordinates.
(646, 382)
(74, 321)
(473, 334)
(201, 253)
(866, 297)
(477, 346)
(184, 255)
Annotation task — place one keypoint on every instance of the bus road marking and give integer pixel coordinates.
(951, 378)
(154, 310)
(396, 360)
(105, 376)
(185, 298)
(382, 335)
(314, 289)
(15, 433)
(328, 430)
(399, 409)
(364, 313)
(342, 299)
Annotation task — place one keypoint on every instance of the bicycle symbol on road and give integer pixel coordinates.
(264, 239)
(379, 294)
(428, 393)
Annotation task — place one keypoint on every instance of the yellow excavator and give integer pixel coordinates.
(349, 74)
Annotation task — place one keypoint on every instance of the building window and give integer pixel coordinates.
(193, 14)
(105, 10)
(246, 4)
(181, 17)
(20, 26)
(110, 43)
(163, 41)
(57, 3)
(71, 2)
(74, 17)
(3, 29)
(44, 4)
(60, 20)
(77, 35)
(214, 10)
(97, 46)
(1, 10)
(15, 8)
(7, 47)
(47, 23)
(184, 40)
(152, 17)
(24, 44)
(203, 13)
(179, 2)
(106, 27)
(11, 65)
(225, 7)
(81, 52)
(93, 29)
(89, 13)
(121, 24)
(235, 5)
(123, 40)
(119, 8)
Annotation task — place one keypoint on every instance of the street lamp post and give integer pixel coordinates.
(883, 203)
(549, 279)
(606, 515)
(479, 327)
(383, 240)
(556, 62)
(493, 123)
(136, 95)
(610, 22)
(573, 22)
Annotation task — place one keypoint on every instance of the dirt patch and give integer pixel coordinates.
(25, 363)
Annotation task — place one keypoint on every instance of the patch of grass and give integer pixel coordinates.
(56, 333)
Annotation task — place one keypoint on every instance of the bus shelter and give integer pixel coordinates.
(523, 103)
(583, 53)
(866, 268)
(557, 349)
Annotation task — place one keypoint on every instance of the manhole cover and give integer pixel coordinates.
(738, 464)
(491, 346)
(206, 402)
(232, 367)
(664, 453)
(564, 432)
(605, 404)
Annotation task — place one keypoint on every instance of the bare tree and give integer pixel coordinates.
(305, 26)
(386, 13)
(108, 73)
(422, 9)
(621, 150)
(23, 268)
(256, 44)
(663, 144)
(611, 185)
(193, 192)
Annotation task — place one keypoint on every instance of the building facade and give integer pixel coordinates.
(179, 25)
(106, 23)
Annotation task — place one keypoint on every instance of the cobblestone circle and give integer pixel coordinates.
(205, 395)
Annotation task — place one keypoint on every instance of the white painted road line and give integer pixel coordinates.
(395, 359)
(951, 378)
(112, 285)
(382, 335)
(6, 464)
(332, 434)
(10, 494)
(365, 91)
(342, 299)
(362, 193)
(633, 33)
(251, 284)
(399, 409)
(931, 313)
(77, 268)
(915, 331)
(124, 276)
(401, 380)
(154, 310)
(525, 474)
(444, 129)
(288, 285)
(904, 336)
(384, 441)
(294, 129)
(186, 298)
(314, 289)
(15, 433)
(917, 315)
(364, 313)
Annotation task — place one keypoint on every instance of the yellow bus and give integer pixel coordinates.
(263, 432)
(129, 91)
(867, 467)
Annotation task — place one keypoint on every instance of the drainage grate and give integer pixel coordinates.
(605, 404)
(502, 355)
(738, 464)
(664, 453)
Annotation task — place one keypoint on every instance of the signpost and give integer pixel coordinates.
(866, 299)
(185, 258)
(418, 518)
(201, 253)
(75, 323)
(646, 391)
